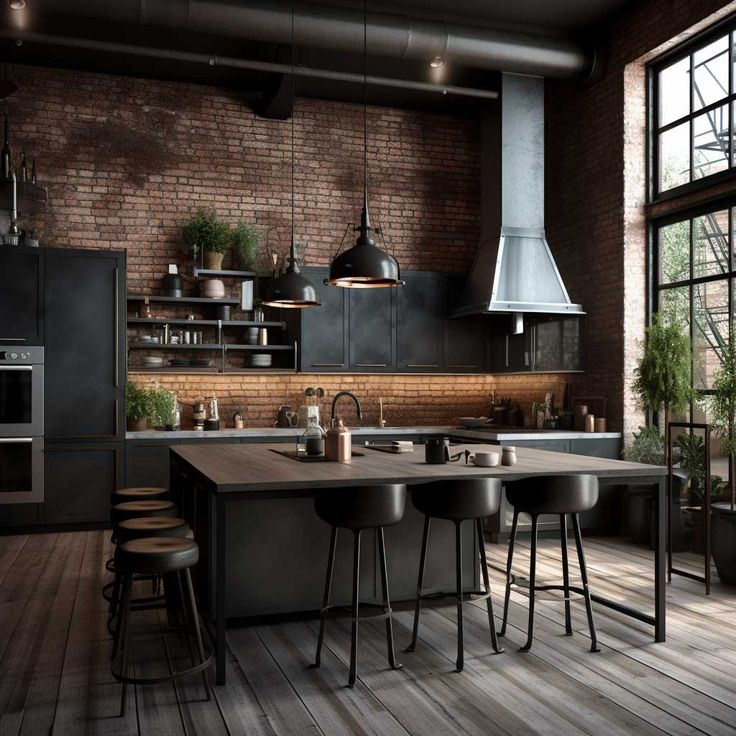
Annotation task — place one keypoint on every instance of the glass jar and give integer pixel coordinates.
(313, 438)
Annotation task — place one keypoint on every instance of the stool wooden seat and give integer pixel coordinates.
(358, 509)
(559, 495)
(458, 500)
(142, 493)
(160, 556)
(151, 526)
(145, 507)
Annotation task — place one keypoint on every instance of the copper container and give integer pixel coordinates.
(600, 424)
(581, 411)
(589, 423)
(338, 442)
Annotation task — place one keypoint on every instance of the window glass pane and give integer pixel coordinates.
(674, 252)
(710, 73)
(710, 249)
(710, 142)
(674, 157)
(674, 91)
(710, 314)
(674, 305)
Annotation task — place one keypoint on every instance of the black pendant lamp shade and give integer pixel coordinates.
(291, 290)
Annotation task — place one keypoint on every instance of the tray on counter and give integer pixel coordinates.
(303, 458)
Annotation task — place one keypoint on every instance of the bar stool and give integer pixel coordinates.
(560, 495)
(142, 493)
(157, 556)
(457, 501)
(358, 509)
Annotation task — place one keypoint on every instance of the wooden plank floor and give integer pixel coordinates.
(55, 678)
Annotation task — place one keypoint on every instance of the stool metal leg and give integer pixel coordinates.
(487, 584)
(565, 573)
(420, 584)
(510, 559)
(584, 577)
(386, 600)
(197, 630)
(459, 578)
(125, 617)
(326, 596)
(532, 584)
(356, 592)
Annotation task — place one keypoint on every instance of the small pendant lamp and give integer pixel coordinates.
(365, 266)
(291, 290)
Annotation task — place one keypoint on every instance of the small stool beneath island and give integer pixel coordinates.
(359, 509)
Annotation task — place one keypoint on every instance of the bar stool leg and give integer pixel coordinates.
(532, 584)
(420, 585)
(356, 591)
(387, 601)
(510, 559)
(584, 576)
(125, 617)
(326, 596)
(197, 630)
(487, 584)
(459, 578)
(565, 573)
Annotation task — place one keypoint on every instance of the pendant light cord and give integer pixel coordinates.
(365, 103)
(293, 106)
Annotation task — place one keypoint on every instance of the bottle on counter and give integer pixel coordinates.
(33, 171)
(23, 167)
(338, 443)
(5, 163)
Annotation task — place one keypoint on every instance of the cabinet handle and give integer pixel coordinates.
(12, 339)
(327, 365)
(461, 365)
(422, 365)
(371, 365)
(116, 332)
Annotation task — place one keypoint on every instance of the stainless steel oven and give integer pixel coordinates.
(21, 391)
(21, 470)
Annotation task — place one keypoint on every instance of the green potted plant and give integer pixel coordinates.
(162, 408)
(722, 410)
(246, 242)
(206, 232)
(137, 407)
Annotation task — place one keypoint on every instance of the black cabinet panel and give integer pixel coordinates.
(21, 296)
(147, 463)
(558, 344)
(85, 341)
(323, 334)
(79, 481)
(419, 323)
(465, 340)
(371, 330)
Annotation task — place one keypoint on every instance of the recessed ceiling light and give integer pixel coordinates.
(16, 4)
(437, 62)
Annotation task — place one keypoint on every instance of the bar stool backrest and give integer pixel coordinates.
(554, 494)
(362, 507)
(464, 498)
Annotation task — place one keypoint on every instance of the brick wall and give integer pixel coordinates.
(128, 160)
(595, 191)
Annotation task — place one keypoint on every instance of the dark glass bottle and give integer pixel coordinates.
(5, 164)
(33, 171)
(23, 167)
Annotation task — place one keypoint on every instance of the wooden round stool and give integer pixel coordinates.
(143, 493)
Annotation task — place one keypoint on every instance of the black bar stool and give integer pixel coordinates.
(560, 495)
(457, 501)
(157, 556)
(358, 509)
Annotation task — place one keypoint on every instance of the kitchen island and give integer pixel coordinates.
(263, 550)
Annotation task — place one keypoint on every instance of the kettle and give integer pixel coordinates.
(286, 417)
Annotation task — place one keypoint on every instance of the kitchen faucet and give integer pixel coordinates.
(334, 405)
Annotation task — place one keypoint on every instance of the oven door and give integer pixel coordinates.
(21, 400)
(21, 470)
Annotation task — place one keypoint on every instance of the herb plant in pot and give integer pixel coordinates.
(206, 232)
(137, 407)
(722, 406)
(163, 408)
(246, 242)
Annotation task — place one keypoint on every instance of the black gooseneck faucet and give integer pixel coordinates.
(338, 395)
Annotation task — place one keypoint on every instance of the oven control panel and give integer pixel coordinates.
(5, 355)
(21, 355)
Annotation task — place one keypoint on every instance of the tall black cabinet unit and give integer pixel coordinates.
(85, 383)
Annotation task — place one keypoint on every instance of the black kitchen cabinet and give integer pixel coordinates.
(79, 480)
(371, 333)
(322, 331)
(85, 345)
(419, 323)
(147, 463)
(21, 296)
(558, 344)
(465, 345)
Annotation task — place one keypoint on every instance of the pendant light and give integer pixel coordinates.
(365, 266)
(291, 290)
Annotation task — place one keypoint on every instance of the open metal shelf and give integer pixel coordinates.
(180, 299)
(161, 321)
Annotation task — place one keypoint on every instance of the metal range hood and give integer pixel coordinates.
(514, 271)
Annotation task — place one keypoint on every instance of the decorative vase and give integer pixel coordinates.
(136, 425)
(213, 261)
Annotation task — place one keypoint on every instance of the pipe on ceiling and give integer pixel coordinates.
(341, 29)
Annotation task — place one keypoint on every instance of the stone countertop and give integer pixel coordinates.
(268, 433)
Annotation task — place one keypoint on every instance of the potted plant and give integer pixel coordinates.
(162, 408)
(137, 407)
(206, 232)
(722, 409)
(246, 241)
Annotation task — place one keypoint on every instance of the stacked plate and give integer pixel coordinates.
(151, 361)
(260, 360)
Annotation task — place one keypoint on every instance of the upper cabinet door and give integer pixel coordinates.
(419, 323)
(21, 296)
(558, 344)
(465, 340)
(323, 340)
(371, 330)
(85, 344)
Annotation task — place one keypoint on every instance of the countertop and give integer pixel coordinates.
(487, 435)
